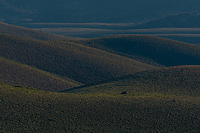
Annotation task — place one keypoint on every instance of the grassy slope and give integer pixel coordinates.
(29, 110)
(178, 80)
(29, 33)
(77, 62)
(17, 74)
(163, 51)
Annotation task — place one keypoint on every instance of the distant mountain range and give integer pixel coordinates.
(182, 20)
(79, 11)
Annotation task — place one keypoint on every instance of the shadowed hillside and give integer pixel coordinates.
(163, 51)
(75, 61)
(17, 74)
(28, 33)
(178, 80)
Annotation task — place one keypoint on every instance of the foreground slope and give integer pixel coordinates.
(163, 51)
(29, 33)
(81, 63)
(29, 110)
(17, 74)
(178, 80)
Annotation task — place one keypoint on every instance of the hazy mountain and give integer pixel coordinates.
(13, 11)
(182, 20)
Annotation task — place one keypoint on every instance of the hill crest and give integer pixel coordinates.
(15, 73)
(160, 50)
(176, 80)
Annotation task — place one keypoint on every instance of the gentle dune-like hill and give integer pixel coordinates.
(80, 63)
(177, 80)
(29, 33)
(163, 51)
(28, 110)
(18, 74)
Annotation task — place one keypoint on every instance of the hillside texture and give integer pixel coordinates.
(162, 51)
(80, 63)
(178, 80)
(29, 110)
(17, 74)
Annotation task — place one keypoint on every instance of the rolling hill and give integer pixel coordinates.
(80, 63)
(29, 33)
(160, 50)
(177, 80)
(29, 110)
(17, 74)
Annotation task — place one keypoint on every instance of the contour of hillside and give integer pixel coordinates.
(13, 73)
(28, 110)
(80, 63)
(29, 33)
(177, 80)
(163, 51)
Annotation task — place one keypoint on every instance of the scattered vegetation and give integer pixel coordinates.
(28, 110)
(178, 80)
(147, 99)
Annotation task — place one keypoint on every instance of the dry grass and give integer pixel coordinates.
(29, 110)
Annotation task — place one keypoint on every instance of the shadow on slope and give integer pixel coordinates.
(163, 51)
(80, 63)
(17, 74)
(177, 80)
